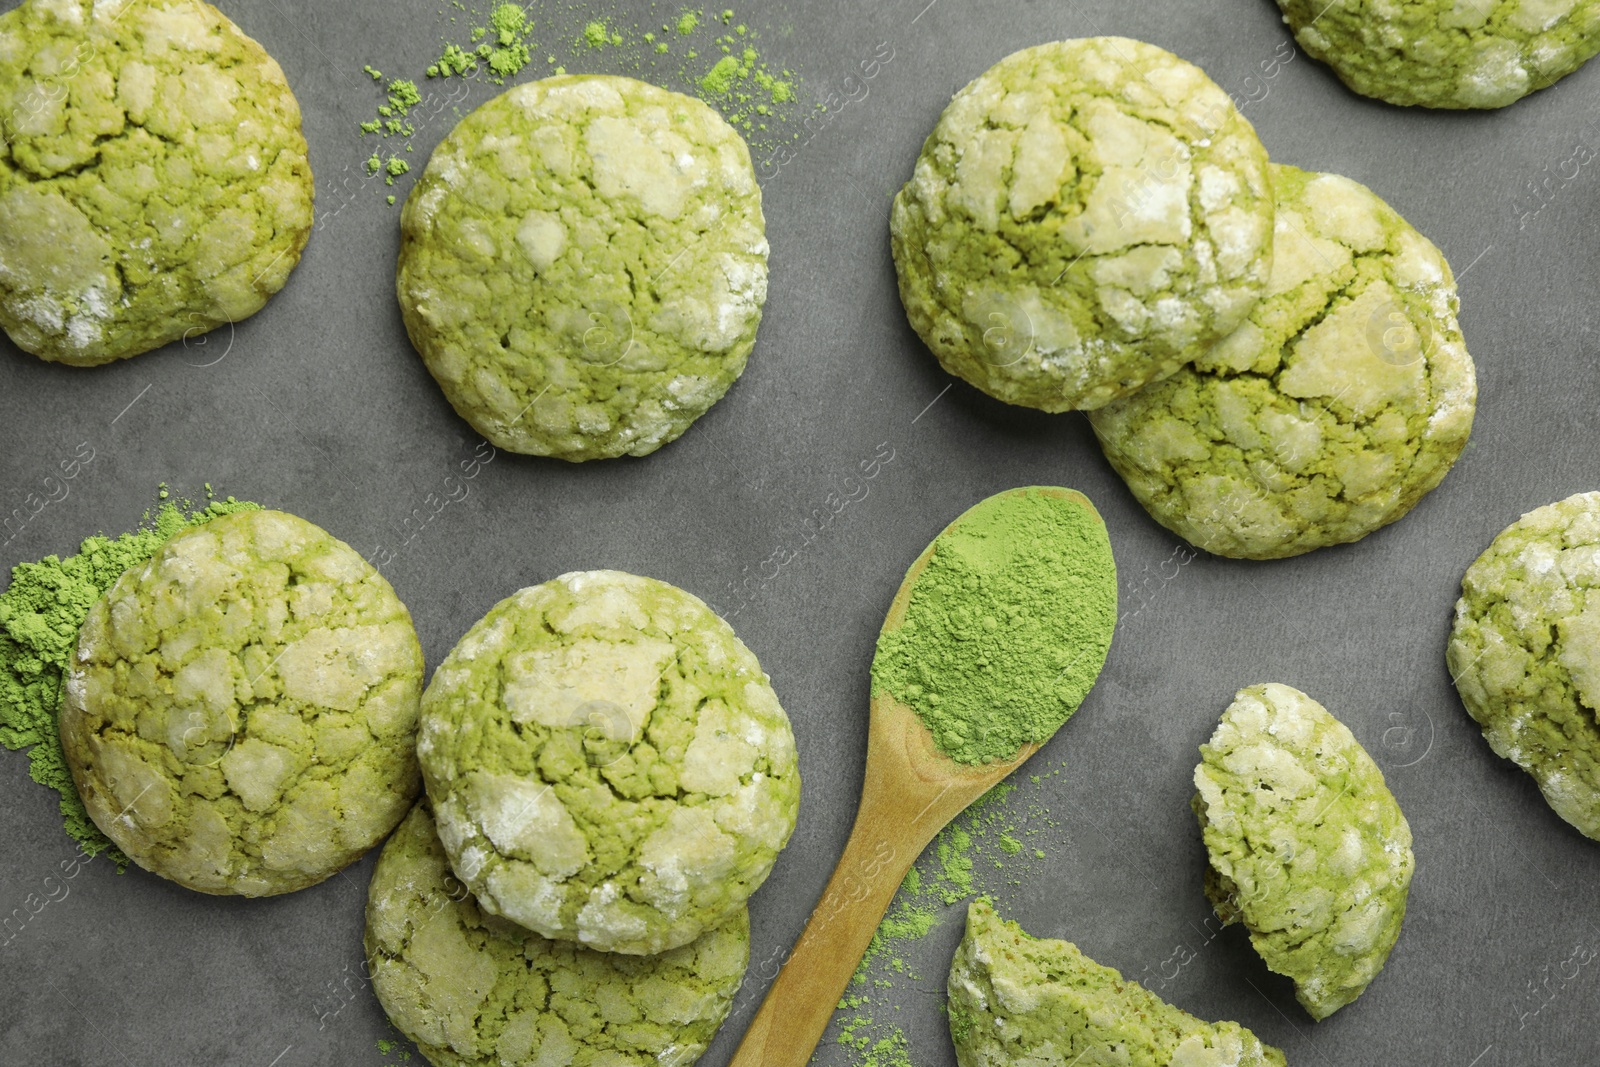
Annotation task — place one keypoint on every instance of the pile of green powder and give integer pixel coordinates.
(40, 613)
(1007, 627)
(501, 45)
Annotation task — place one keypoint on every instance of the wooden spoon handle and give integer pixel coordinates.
(797, 1008)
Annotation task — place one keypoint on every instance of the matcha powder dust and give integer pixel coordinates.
(40, 614)
(1007, 626)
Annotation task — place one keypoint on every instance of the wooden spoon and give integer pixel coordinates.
(911, 791)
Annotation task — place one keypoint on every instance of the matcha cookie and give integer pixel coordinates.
(1086, 217)
(1344, 399)
(1525, 652)
(242, 714)
(1447, 53)
(1016, 999)
(153, 177)
(1307, 846)
(583, 266)
(608, 763)
(476, 991)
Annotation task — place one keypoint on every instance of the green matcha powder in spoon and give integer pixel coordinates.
(1007, 628)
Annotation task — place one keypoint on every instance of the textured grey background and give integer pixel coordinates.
(318, 406)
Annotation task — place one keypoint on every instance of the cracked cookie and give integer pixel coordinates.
(1525, 652)
(1306, 844)
(1016, 999)
(153, 176)
(1086, 217)
(1447, 53)
(607, 763)
(241, 716)
(473, 990)
(1344, 398)
(583, 265)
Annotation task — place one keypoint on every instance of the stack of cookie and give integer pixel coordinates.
(609, 777)
(1270, 358)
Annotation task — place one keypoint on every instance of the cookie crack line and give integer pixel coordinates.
(130, 128)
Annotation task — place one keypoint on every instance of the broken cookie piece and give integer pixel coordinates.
(1307, 846)
(1016, 999)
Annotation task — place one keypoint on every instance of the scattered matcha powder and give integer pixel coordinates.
(397, 1047)
(1007, 628)
(750, 95)
(40, 614)
(391, 120)
(960, 863)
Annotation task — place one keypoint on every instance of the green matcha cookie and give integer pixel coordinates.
(476, 991)
(1447, 53)
(1525, 652)
(153, 178)
(242, 714)
(1017, 1000)
(583, 266)
(608, 764)
(1086, 217)
(1307, 845)
(1345, 397)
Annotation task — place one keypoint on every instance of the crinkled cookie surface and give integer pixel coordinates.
(1447, 53)
(1086, 217)
(1525, 652)
(608, 764)
(1015, 999)
(1307, 846)
(475, 991)
(1344, 398)
(242, 715)
(153, 176)
(583, 266)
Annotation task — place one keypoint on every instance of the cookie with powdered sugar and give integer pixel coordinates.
(153, 176)
(1525, 652)
(583, 266)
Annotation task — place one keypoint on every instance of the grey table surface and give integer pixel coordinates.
(318, 405)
